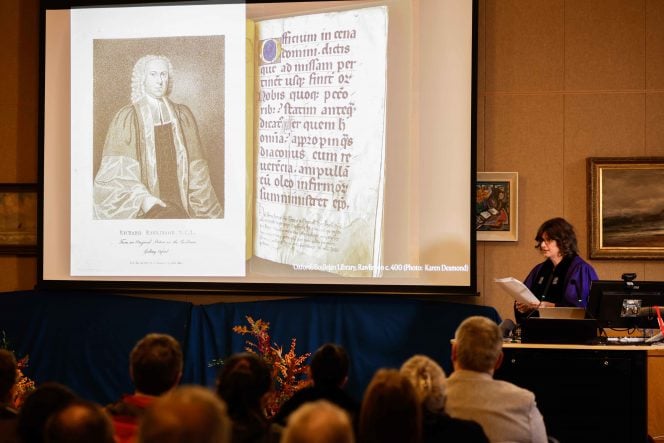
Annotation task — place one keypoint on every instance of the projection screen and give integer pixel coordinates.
(263, 147)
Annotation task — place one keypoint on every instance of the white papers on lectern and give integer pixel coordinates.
(517, 290)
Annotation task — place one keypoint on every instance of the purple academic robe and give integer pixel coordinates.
(577, 281)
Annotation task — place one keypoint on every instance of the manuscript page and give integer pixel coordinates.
(320, 141)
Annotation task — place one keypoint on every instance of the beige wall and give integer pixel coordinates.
(558, 81)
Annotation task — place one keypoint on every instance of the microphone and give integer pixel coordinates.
(647, 311)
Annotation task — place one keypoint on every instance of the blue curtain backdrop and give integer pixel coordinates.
(83, 339)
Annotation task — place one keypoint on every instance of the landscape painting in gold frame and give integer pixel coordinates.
(626, 207)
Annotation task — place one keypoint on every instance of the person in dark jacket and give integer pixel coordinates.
(243, 383)
(428, 378)
(329, 372)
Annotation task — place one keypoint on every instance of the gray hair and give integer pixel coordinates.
(188, 413)
(80, 421)
(429, 381)
(479, 343)
(139, 72)
(318, 422)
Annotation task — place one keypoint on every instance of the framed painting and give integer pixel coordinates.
(626, 207)
(496, 210)
(18, 219)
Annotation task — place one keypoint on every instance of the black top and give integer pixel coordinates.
(255, 429)
(549, 283)
(8, 422)
(440, 427)
(7, 412)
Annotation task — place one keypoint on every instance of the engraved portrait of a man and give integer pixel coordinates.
(153, 163)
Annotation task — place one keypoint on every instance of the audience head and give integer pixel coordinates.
(8, 372)
(318, 422)
(562, 232)
(43, 402)
(188, 414)
(390, 410)
(156, 364)
(478, 345)
(79, 422)
(243, 382)
(329, 366)
(428, 379)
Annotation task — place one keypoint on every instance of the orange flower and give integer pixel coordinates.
(289, 370)
(24, 385)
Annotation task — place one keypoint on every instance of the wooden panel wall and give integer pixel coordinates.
(19, 86)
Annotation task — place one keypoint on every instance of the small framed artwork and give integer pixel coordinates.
(626, 207)
(496, 209)
(18, 218)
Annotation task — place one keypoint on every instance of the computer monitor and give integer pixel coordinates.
(625, 304)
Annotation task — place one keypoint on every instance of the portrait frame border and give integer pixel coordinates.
(511, 178)
(21, 242)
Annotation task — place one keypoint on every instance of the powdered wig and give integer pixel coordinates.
(139, 73)
(428, 378)
(479, 343)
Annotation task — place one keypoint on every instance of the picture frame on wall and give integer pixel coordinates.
(626, 205)
(496, 206)
(18, 218)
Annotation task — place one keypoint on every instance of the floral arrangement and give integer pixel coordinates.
(289, 370)
(24, 385)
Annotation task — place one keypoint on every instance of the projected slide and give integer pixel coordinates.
(307, 144)
(319, 139)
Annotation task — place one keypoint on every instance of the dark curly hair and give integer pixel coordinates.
(329, 365)
(242, 382)
(562, 232)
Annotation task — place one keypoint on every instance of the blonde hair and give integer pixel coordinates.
(428, 378)
(479, 343)
(138, 76)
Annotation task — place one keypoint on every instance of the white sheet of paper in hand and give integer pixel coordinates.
(517, 290)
